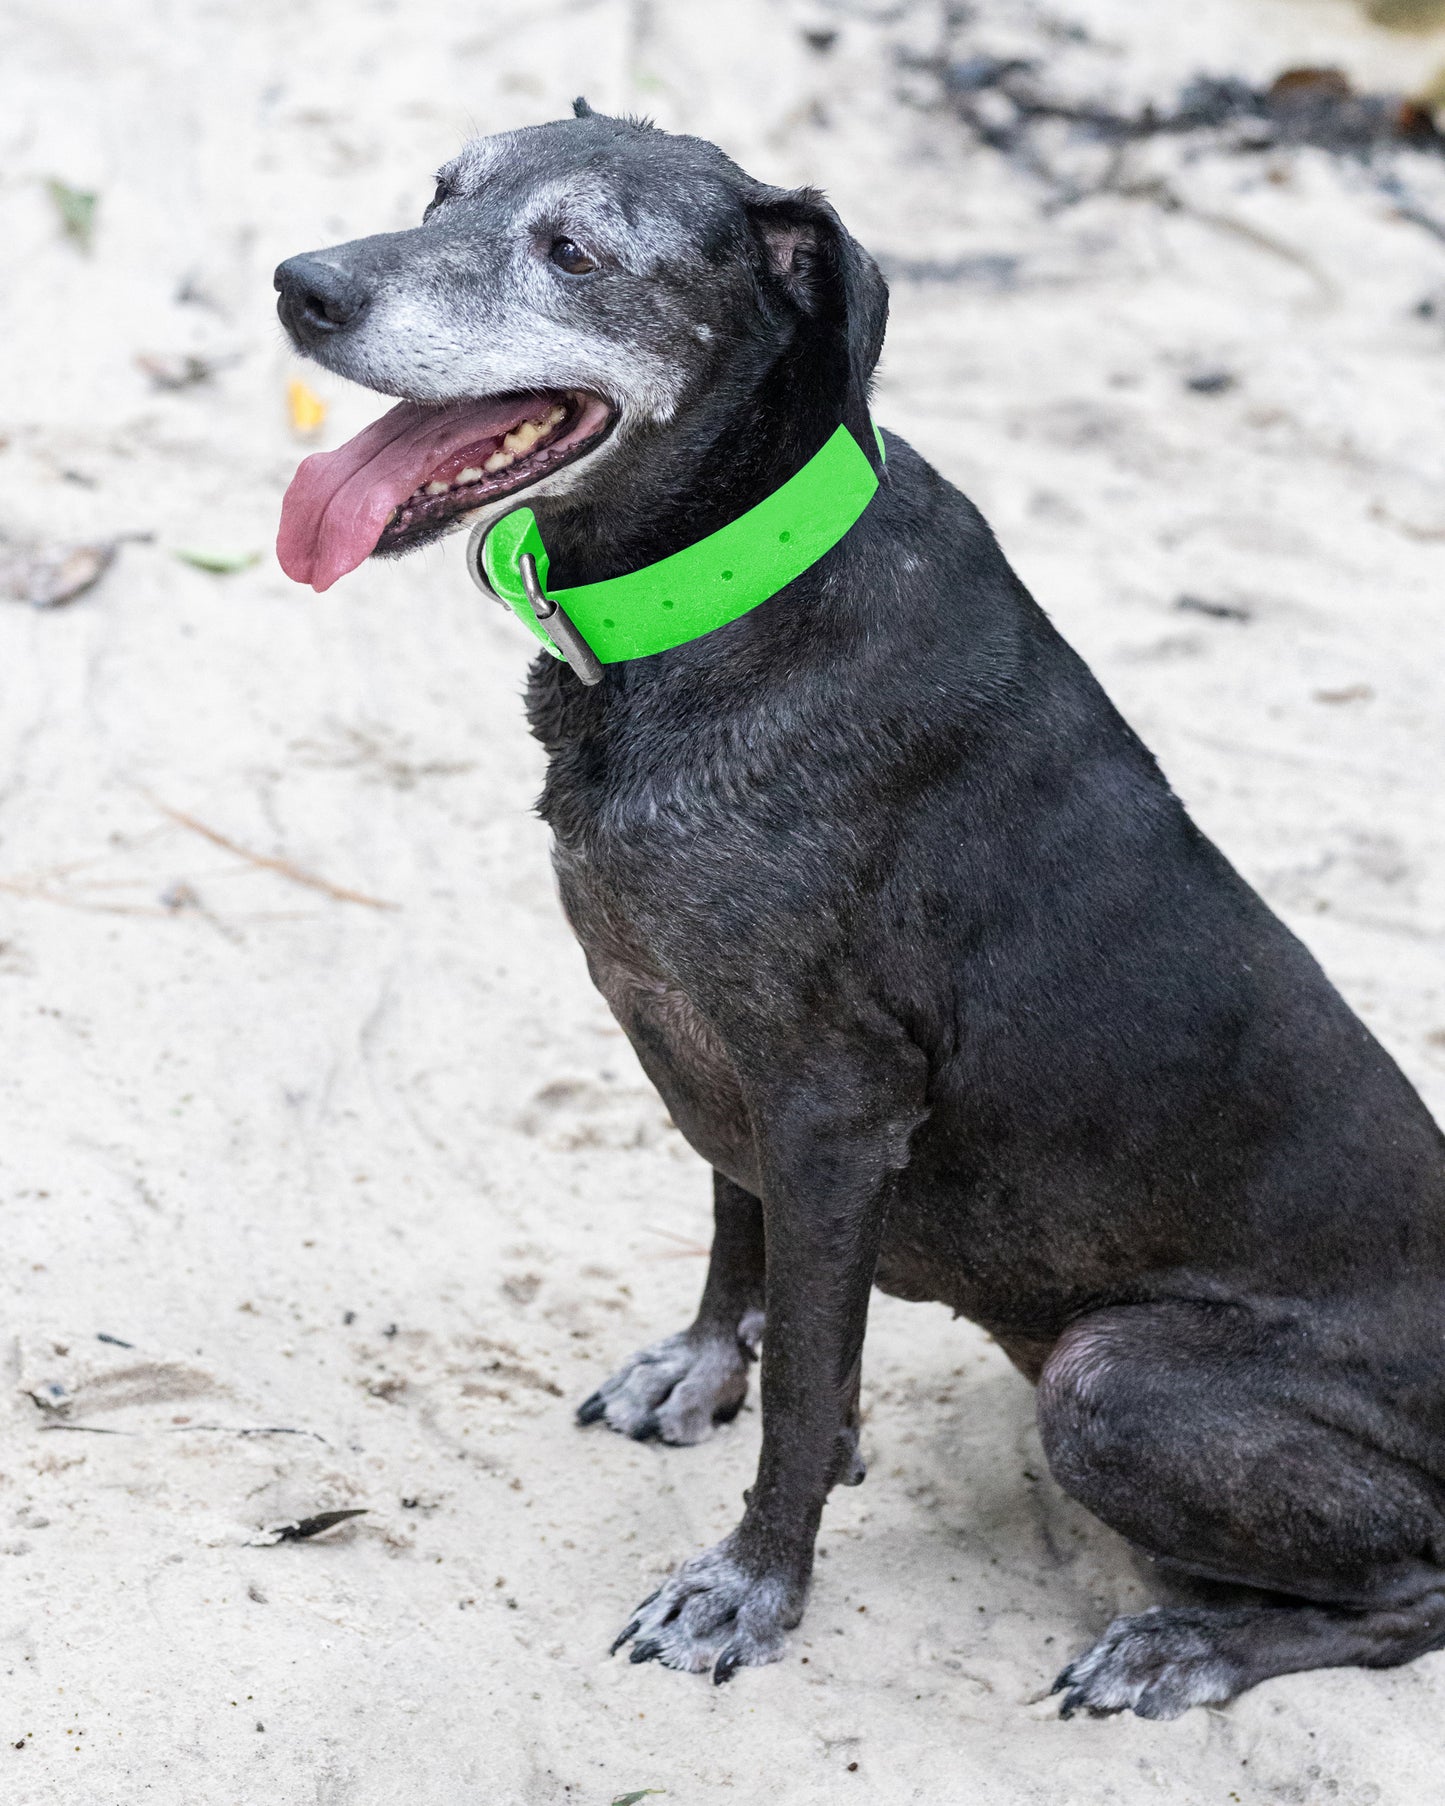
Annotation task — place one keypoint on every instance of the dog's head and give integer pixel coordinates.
(575, 293)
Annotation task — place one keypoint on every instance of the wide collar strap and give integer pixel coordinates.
(691, 592)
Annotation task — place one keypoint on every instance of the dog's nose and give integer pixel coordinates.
(317, 298)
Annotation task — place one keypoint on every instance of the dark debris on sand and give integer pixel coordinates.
(1075, 145)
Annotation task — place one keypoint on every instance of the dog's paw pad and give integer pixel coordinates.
(1157, 1664)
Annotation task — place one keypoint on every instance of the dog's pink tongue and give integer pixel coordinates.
(340, 501)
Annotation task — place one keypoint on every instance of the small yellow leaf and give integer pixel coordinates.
(308, 410)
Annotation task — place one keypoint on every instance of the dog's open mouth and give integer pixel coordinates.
(406, 477)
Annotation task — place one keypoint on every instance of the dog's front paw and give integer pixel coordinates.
(715, 1612)
(1158, 1664)
(676, 1389)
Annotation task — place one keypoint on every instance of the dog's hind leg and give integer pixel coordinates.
(679, 1388)
(1160, 1662)
(1222, 1448)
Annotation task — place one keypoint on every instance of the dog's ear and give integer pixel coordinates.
(827, 273)
(580, 108)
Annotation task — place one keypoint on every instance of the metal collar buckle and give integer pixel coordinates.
(550, 615)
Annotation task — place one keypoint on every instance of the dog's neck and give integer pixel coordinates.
(719, 458)
(669, 486)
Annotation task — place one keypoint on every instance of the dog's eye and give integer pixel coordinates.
(570, 257)
(444, 192)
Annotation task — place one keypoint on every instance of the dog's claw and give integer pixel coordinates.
(1074, 1702)
(1158, 1663)
(676, 1391)
(625, 1635)
(715, 1614)
(1073, 1695)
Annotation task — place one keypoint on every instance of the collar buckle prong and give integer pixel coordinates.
(560, 630)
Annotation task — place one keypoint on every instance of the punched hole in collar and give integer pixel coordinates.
(785, 536)
(727, 576)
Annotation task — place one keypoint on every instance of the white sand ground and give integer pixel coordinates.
(390, 1181)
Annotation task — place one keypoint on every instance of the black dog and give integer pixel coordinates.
(903, 921)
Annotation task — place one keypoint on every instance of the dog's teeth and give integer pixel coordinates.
(516, 445)
(522, 438)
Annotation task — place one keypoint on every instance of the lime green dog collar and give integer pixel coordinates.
(681, 597)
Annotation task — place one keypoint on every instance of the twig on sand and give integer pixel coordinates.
(188, 1429)
(1408, 208)
(38, 893)
(686, 1246)
(240, 1429)
(37, 886)
(1007, 103)
(82, 1429)
(267, 861)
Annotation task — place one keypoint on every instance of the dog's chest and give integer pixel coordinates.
(678, 1049)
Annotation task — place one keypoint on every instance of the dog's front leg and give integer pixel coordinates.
(828, 1155)
(679, 1388)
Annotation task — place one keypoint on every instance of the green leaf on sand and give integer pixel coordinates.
(631, 1799)
(219, 564)
(76, 207)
